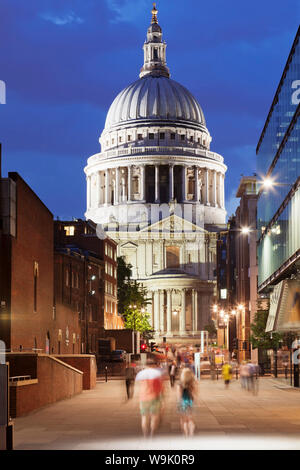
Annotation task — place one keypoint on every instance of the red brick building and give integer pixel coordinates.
(26, 267)
(85, 280)
(58, 288)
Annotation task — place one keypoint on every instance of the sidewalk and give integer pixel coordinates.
(103, 419)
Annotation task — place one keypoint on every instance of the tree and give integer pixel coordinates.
(260, 338)
(211, 328)
(138, 320)
(124, 273)
(133, 301)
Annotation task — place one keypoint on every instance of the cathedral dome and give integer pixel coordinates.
(155, 98)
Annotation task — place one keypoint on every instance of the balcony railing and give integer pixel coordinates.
(156, 151)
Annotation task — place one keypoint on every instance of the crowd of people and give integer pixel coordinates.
(180, 371)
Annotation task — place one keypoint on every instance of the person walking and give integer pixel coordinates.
(244, 375)
(150, 382)
(186, 394)
(227, 374)
(130, 373)
(173, 373)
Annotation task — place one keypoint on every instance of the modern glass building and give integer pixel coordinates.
(278, 161)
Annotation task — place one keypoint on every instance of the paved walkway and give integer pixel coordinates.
(226, 418)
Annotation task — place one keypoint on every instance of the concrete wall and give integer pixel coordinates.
(55, 381)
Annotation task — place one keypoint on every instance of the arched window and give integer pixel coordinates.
(172, 258)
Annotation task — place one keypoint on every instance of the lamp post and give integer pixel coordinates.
(88, 291)
(225, 318)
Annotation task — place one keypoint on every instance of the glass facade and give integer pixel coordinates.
(282, 239)
(281, 116)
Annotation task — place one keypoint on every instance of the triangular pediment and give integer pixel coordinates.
(129, 245)
(174, 224)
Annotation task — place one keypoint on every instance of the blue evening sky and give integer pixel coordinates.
(64, 61)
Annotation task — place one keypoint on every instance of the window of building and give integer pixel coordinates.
(172, 135)
(182, 137)
(162, 135)
(129, 138)
(70, 230)
(151, 136)
(172, 257)
(120, 139)
(135, 185)
(191, 139)
(112, 141)
(223, 294)
(140, 136)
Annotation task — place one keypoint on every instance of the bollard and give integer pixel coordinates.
(286, 372)
(105, 373)
(236, 373)
(217, 373)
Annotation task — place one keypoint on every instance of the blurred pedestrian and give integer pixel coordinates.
(130, 373)
(244, 375)
(186, 394)
(173, 370)
(151, 395)
(253, 377)
(227, 374)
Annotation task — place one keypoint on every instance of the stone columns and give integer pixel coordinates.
(129, 183)
(117, 186)
(171, 182)
(169, 311)
(184, 181)
(143, 182)
(88, 191)
(157, 195)
(162, 310)
(220, 190)
(214, 188)
(106, 186)
(182, 320)
(195, 310)
(223, 191)
(98, 186)
(197, 187)
(207, 202)
(156, 311)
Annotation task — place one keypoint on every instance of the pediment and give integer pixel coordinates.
(129, 245)
(174, 224)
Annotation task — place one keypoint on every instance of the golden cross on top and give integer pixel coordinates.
(154, 14)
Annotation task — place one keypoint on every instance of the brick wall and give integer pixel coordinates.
(85, 363)
(56, 381)
(32, 247)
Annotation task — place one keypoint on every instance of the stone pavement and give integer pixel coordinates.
(225, 418)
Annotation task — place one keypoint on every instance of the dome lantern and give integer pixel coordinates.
(155, 50)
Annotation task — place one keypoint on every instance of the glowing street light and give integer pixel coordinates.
(268, 183)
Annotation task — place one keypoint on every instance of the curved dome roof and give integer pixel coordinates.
(154, 98)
